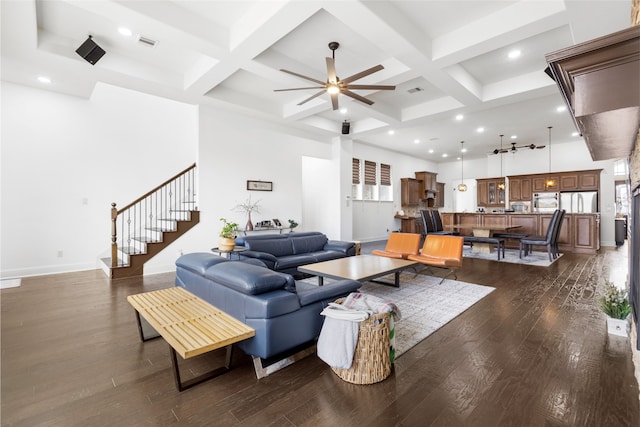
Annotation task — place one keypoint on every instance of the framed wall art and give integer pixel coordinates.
(260, 185)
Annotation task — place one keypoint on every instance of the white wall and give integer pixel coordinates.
(373, 220)
(66, 159)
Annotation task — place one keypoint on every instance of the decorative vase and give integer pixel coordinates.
(618, 327)
(226, 243)
(249, 225)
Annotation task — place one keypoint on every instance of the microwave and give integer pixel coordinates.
(522, 207)
(545, 202)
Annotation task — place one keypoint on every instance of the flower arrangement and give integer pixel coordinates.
(614, 302)
(229, 229)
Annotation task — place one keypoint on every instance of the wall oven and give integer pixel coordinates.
(545, 202)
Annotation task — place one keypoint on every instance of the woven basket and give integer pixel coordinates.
(371, 359)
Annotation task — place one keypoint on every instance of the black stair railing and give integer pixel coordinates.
(144, 220)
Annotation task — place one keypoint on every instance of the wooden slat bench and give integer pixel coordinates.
(498, 241)
(190, 325)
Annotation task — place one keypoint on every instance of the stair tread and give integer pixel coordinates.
(146, 239)
(159, 229)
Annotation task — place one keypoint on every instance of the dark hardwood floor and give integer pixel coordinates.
(535, 352)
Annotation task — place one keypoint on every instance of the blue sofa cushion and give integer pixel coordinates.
(247, 278)
(275, 247)
(306, 244)
(308, 293)
(199, 262)
(293, 261)
(326, 255)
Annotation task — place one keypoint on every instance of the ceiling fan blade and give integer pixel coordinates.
(313, 96)
(299, 88)
(540, 146)
(372, 87)
(362, 74)
(334, 101)
(356, 96)
(331, 70)
(303, 77)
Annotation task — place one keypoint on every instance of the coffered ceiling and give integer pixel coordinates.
(446, 58)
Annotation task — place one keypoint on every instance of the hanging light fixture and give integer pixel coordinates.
(501, 185)
(550, 182)
(462, 187)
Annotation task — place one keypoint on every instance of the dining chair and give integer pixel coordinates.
(429, 224)
(546, 240)
(556, 235)
(437, 223)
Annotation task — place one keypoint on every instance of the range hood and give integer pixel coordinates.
(600, 83)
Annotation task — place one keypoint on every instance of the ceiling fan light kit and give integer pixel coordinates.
(334, 86)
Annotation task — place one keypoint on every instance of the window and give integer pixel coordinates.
(370, 182)
(621, 167)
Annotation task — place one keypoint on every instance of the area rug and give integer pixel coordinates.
(425, 304)
(540, 259)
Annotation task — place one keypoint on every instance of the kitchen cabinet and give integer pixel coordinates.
(439, 195)
(489, 193)
(410, 191)
(589, 180)
(569, 182)
(586, 234)
(540, 183)
(520, 189)
(408, 225)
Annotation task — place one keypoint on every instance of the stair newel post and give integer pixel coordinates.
(114, 236)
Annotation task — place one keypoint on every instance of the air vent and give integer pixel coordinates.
(147, 41)
(415, 89)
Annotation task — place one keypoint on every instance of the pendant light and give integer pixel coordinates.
(550, 182)
(501, 185)
(462, 187)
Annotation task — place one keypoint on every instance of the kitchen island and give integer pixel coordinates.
(580, 232)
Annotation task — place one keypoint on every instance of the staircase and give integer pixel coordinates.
(146, 226)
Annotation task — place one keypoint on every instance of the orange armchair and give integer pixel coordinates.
(400, 246)
(442, 252)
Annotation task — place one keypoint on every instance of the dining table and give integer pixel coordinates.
(483, 231)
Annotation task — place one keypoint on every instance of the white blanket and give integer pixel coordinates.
(337, 342)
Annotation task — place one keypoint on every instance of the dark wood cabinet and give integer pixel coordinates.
(569, 182)
(520, 189)
(586, 234)
(408, 225)
(439, 195)
(410, 191)
(540, 183)
(589, 180)
(490, 193)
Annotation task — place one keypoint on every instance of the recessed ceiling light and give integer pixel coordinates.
(575, 134)
(44, 79)
(561, 108)
(431, 151)
(391, 131)
(416, 141)
(125, 31)
(445, 155)
(343, 110)
(514, 54)
(514, 136)
(459, 117)
(480, 129)
(458, 158)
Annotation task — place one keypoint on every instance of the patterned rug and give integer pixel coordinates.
(540, 259)
(425, 304)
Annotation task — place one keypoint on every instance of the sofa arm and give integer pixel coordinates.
(268, 259)
(308, 294)
(348, 248)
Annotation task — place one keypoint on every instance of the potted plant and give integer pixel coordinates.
(292, 225)
(615, 304)
(227, 235)
(248, 207)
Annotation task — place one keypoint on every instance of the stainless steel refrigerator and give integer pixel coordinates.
(579, 202)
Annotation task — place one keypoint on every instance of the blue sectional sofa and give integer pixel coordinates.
(285, 314)
(286, 252)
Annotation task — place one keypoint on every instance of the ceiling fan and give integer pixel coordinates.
(515, 148)
(334, 85)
